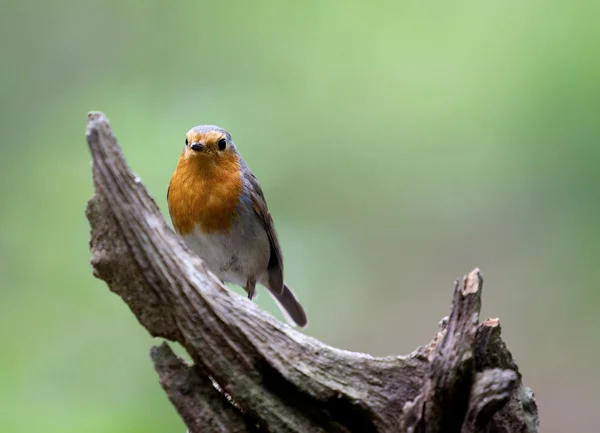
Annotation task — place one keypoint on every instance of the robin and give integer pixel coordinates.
(217, 206)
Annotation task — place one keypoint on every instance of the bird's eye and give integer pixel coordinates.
(222, 144)
(186, 142)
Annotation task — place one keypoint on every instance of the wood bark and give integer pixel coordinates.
(252, 373)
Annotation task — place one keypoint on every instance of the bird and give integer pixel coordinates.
(217, 206)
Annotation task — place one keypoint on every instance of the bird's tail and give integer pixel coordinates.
(290, 306)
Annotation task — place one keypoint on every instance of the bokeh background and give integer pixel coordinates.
(399, 145)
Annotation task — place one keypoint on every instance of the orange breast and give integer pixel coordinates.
(205, 190)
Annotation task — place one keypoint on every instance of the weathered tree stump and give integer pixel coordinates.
(252, 373)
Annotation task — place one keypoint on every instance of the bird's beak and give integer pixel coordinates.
(197, 146)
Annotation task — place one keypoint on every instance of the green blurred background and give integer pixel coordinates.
(399, 146)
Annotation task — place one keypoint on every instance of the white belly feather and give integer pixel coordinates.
(236, 255)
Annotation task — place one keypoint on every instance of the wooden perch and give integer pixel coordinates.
(253, 373)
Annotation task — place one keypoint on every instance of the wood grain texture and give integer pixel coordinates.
(252, 373)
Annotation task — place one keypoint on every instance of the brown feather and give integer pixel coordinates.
(259, 204)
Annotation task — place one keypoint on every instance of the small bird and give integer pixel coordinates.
(217, 206)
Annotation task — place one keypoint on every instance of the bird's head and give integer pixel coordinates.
(208, 142)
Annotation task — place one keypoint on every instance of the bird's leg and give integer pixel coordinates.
(251, 287)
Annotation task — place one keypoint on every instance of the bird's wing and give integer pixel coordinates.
(259, 204)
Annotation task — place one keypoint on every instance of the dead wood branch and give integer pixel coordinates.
(252, 373)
